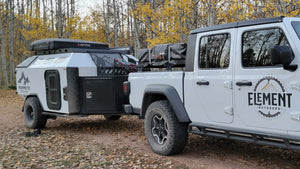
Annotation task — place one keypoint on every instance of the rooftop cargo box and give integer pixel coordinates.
(53, 44)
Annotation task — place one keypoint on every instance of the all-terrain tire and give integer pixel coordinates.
(33, 114)
(165, 134)
(112, 117)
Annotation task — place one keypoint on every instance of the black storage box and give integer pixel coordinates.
(103, 94)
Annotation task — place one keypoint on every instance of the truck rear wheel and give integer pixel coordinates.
(33, 114)
(165, 134)
(112, 117)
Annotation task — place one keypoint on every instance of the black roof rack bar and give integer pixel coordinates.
(238, 24)
(80, 50)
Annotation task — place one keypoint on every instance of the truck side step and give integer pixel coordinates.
(62, 115)
(246, 135)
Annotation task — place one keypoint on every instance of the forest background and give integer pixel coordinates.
(136, 23)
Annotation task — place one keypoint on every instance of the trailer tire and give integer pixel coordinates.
(33, 114)
(165, 134)
(112, 117)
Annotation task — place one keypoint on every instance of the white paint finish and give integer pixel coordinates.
(247, 113)
(54, 61)
(140, 81)
(85, 63)
(295, 85)
(244, 116)
(211, 100)
(36, 71)
(295, 116)
(37, 85)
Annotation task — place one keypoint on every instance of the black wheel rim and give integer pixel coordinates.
(29, 112)
(159, 129)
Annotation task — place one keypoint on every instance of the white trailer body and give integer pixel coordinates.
(31, 79)
(72, 78)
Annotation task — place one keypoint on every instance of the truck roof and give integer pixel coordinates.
(239, 24)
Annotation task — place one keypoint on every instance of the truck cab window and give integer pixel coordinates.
(256, 46)
(296, 26)
(214, 51)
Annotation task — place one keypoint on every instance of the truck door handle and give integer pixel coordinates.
(202, 82)
(244, 83)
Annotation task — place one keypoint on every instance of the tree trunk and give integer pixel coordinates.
(211, 13)
(59, 19)
(11, 42)
(135, 33)
(3, 59)
(106, 19)
(72, 14)
(52, 15)
(115, 24)
(44, 12)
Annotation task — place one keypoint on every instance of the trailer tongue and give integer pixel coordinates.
(72, 78)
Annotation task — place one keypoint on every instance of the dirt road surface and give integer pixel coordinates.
(93, 142)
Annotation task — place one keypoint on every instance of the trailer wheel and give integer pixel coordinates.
(112, 117)
(165, 134)
(33, 114)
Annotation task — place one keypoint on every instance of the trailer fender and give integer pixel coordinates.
(165, 92)
(32, 95)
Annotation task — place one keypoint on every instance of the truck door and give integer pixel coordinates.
(264, 97)
(208, 89)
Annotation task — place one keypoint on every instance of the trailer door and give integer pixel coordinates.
(53, 95)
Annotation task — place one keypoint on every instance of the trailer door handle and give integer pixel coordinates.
(203, 82)
(244, 83)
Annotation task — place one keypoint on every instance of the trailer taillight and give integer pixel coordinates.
(126, 88)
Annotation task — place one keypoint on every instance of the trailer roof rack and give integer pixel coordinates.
(80, 50)
(55, 44)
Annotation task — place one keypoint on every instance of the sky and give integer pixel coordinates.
(83, 6)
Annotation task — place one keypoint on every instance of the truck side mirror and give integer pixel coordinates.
(283, 55)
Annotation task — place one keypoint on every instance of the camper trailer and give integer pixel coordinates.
(68, 77)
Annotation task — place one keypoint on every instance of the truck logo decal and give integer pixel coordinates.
(269, 97)
(26, 80)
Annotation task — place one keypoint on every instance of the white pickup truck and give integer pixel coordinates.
(241, 81)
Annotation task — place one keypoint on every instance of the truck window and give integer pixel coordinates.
(296, 26)
(256, 46)
(214, 51)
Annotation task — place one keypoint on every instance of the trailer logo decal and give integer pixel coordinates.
(269, 97)
(26, 80)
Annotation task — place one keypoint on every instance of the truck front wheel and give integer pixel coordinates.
(165, 134)
(33, 114)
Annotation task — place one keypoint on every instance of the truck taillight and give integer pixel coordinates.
(126, 88)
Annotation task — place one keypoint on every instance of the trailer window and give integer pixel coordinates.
(257, 44)
(52, 81)
(296, 26)
(108, 59)
(214, 51)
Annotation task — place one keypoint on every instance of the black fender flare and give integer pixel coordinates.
(32, 95)
(170, 93)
